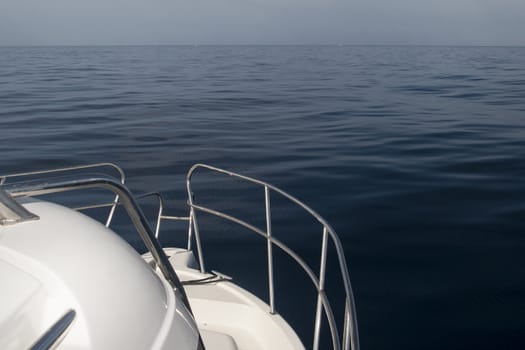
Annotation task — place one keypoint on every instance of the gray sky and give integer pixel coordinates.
(122, 22)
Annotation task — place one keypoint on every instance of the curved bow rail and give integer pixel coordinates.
(350, 337)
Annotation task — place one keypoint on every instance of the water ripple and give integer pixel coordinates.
(416, 154)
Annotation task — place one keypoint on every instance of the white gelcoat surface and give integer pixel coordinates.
(225, 308)
(66, 260)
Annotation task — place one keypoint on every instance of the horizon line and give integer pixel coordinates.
(244, 44)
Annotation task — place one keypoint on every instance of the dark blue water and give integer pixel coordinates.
(416, 155)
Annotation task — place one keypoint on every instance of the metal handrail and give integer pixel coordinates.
(51, 338)
(160, 212)
(125, 198)
(350, 338)
(113, 205)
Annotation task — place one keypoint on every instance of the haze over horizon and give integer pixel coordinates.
(283, 22)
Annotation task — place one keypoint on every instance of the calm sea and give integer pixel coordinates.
(416, 155)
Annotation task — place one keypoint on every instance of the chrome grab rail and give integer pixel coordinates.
(125, 198)
(350, 338)
(51, 338)
(113, 205)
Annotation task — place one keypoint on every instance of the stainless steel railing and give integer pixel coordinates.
(120, 175)
(125, 198)
(160, 213)
(350, 337)
(115, 168)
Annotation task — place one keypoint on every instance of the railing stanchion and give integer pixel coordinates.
(322, 272)
(269, 245)
(159, 216)
(198, 241)
(112, 211)
(190, 228)
(346, 326)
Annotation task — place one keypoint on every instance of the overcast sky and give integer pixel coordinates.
(376, 22)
